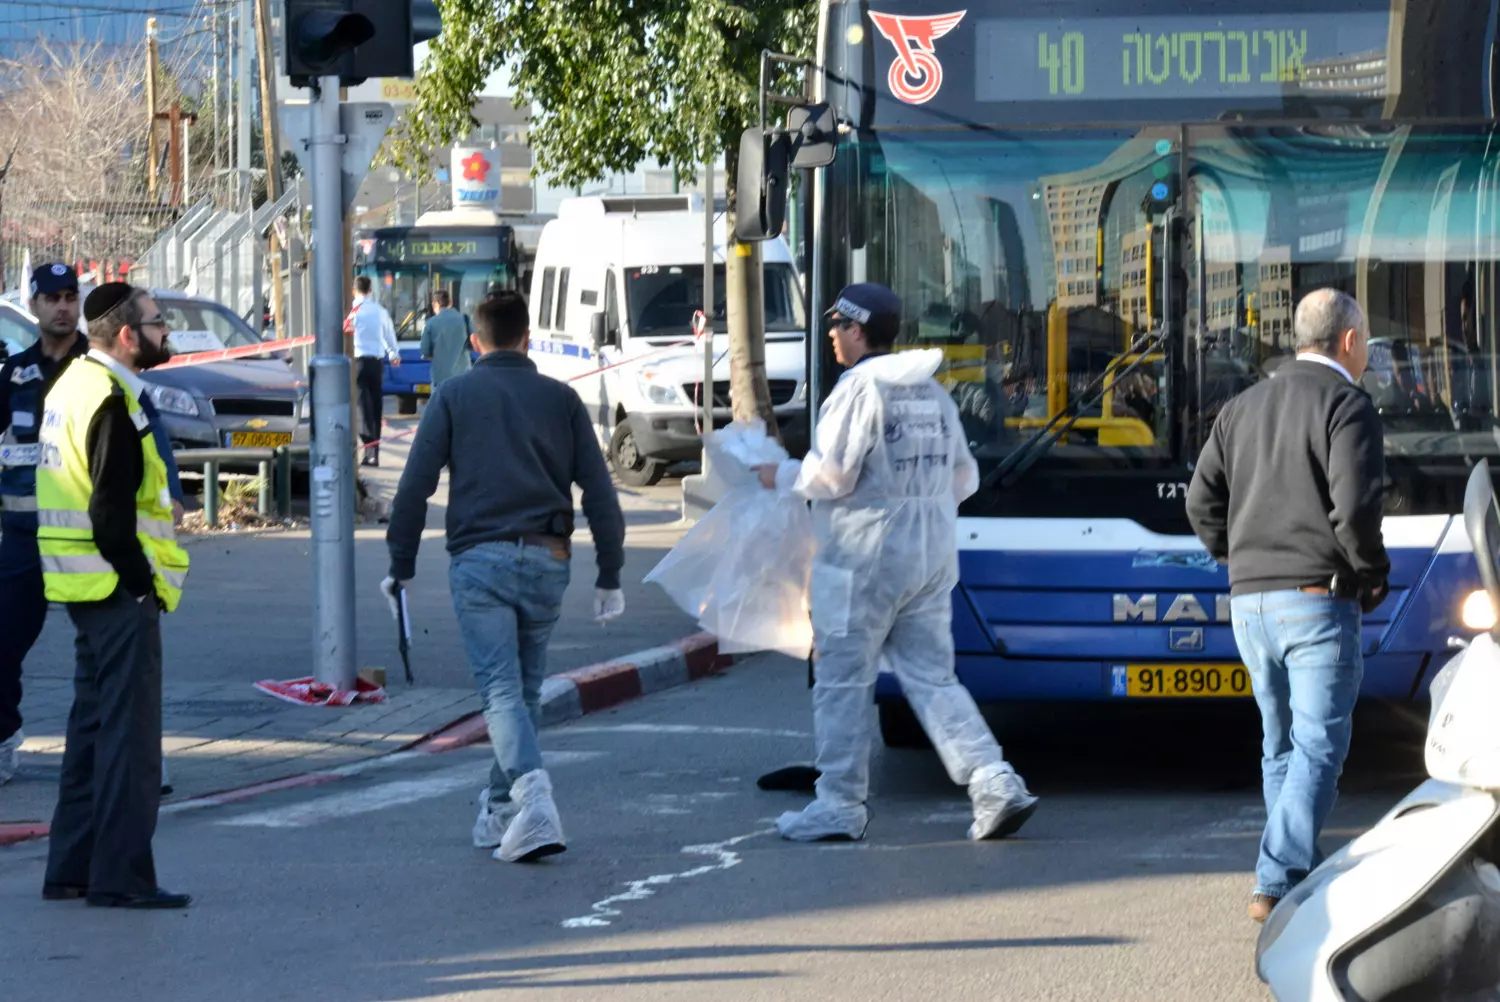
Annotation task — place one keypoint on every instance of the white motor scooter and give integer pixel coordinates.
(1410, 911)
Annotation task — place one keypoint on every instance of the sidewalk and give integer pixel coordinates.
(247, 616)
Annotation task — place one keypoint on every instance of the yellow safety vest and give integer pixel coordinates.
(73, 569)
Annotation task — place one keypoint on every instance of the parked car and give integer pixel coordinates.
(250, 402)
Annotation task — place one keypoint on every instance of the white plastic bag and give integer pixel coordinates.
(743, 569)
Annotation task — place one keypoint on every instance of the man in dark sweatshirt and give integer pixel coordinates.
(514, 442)
(1288, 492)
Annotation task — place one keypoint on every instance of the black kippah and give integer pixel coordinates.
(105, 298)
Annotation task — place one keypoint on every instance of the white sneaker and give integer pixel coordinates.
(821, 821)
(489, 827)
(10, 757)
(1002, 804)
(536, 830)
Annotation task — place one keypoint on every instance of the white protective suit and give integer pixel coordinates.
(885, 475)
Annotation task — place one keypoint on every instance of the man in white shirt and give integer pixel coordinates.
(374, 337)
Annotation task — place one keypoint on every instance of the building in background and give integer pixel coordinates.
(109, 24)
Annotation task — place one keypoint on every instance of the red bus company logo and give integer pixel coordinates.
(475, 167)
(916, 75)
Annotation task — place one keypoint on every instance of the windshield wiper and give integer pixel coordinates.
(1015, 465)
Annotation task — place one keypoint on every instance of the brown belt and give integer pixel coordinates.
(559, 547)
(1314, 590)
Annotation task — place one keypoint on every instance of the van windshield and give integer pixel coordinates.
(662, 299)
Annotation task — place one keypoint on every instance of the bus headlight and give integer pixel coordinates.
(1478, 611)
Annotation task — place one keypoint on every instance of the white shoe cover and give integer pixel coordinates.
(821, 821)
(10, 757)
(489, 827)
(536, 830)
(1002, 804)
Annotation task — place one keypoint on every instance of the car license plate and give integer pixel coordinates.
(259, 439)
(424, 387)
(1179, 681)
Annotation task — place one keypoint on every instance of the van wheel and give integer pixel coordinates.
(633, 469)
(406, 405)
(899, 726)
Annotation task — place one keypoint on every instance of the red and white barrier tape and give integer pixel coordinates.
(244, 351)
(700, 329)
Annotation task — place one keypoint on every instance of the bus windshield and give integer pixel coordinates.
(1041, 262)
(1034, 264)
(408, 264)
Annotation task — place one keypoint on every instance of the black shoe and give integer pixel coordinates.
(798, 778)
(158, 898)
(63, 892)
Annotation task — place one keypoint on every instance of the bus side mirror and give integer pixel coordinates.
(760, 193)
(599, 330)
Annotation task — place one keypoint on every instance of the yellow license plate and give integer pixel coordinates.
(259, 439)
(424, 387)
(1180, 681)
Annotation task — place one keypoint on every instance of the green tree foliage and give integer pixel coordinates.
(613, 82)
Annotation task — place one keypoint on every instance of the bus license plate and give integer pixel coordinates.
(259, 439)
(1179, 681)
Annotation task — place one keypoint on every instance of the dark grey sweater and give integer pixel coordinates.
(1288, 487)
(515, 442)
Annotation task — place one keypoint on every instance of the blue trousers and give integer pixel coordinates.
(507, 598)
(1303, 654)
(23, 609)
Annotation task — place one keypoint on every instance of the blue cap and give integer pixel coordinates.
(863, 300)
(52, 279)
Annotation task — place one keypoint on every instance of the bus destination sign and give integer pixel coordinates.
(1180, 58)
(437, 249)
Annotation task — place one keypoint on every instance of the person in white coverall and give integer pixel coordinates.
(886, 474)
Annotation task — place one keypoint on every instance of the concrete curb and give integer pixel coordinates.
(566, 696)
(573, 694)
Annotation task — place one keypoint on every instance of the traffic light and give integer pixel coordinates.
(355, 39)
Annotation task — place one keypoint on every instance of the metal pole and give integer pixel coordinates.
(151, 70)
(242, 91)
(263, 494)
(211, 493)
(332, 445)
(218, 56)
(708, 304)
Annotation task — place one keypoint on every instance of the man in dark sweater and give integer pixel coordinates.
(514, 442)
(1288, 492)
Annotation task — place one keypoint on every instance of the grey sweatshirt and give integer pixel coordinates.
(515, 442)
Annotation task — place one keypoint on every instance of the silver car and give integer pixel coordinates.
(250, 402)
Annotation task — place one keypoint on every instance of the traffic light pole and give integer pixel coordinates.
(332, 445)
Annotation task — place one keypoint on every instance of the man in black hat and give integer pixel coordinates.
(109, 551)
(25, 379)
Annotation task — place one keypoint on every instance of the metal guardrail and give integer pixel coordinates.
(277, 460)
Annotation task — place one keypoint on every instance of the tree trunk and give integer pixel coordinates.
(744, 289)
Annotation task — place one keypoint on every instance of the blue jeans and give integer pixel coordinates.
(1303, 654)
(507, 598)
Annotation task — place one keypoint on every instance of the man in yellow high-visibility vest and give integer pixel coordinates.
(109, 552)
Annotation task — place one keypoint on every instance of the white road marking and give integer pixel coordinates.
(639, 890)
(754, 732)
(670, 804)
(380, 797)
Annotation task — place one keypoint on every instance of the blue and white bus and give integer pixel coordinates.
(1105, 215)
(407, 264)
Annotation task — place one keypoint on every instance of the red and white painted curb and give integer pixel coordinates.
(566, 696)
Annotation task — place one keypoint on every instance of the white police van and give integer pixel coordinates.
(616, 283)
